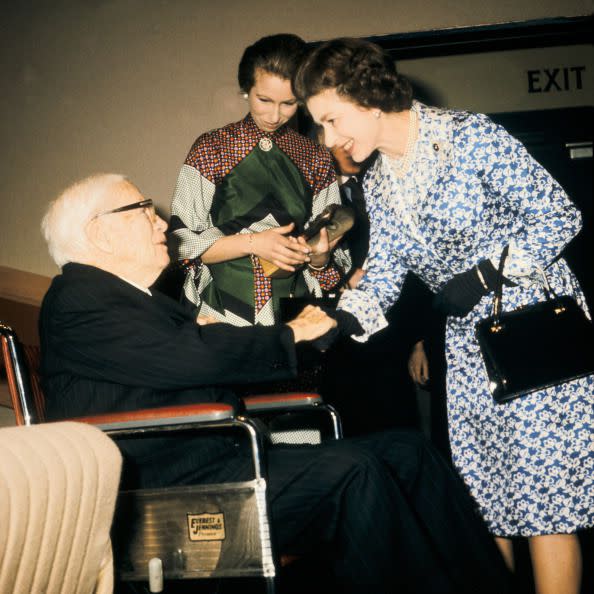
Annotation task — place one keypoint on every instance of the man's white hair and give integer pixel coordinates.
(64, 223)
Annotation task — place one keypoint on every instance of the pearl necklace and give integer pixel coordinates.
(400, 165)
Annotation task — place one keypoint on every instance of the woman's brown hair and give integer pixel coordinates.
(276, 54)
(358, 70)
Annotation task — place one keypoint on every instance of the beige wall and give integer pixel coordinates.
(126, 85)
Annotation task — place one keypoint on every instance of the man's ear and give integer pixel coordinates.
(99, 236)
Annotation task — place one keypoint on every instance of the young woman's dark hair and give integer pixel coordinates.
(276, 54)
(359, 70)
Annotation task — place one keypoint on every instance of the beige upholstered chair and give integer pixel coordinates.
(58, 487)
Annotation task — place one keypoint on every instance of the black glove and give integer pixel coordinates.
(346, 324)
(463, 291)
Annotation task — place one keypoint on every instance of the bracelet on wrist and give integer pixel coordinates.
(250, 238)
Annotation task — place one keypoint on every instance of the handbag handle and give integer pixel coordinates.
(498, 294)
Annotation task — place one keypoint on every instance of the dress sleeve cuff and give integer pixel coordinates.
(520, 266)
(193, 244)
(367, 311)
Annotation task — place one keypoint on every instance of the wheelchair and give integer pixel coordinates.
(189, 532)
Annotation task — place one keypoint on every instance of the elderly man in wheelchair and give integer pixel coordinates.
(385, 510)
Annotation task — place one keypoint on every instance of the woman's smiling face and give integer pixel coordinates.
(347, 125)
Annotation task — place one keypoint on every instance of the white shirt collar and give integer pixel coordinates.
(343, 179)
(143, 289)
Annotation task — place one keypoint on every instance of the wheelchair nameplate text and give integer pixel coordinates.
(206, 527)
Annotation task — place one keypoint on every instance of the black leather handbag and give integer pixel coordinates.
(535, 346)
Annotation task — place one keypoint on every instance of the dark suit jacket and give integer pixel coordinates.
(358, 237)
(107, 346)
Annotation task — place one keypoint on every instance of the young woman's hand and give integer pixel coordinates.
(278, 247)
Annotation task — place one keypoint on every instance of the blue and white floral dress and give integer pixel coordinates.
(471, 189)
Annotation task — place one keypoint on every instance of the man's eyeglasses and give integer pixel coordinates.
(147, 205)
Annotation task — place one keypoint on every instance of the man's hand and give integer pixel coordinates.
(310, 324)
(356, 277)
(204, 320)
(277, 246)
(418, 365)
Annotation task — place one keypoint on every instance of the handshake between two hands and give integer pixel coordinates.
(323, 326)
(312, 324)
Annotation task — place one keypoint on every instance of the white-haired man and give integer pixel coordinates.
(386, 507)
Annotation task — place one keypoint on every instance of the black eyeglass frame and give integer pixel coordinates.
(142, 204)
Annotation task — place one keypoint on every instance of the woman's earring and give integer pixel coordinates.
(244, 95)
(377, 114)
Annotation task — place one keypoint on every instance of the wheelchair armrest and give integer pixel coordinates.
(161, 417)
(179, 418)
(292, 402)
(286, 401)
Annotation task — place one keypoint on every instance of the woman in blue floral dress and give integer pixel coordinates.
(450, 190)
